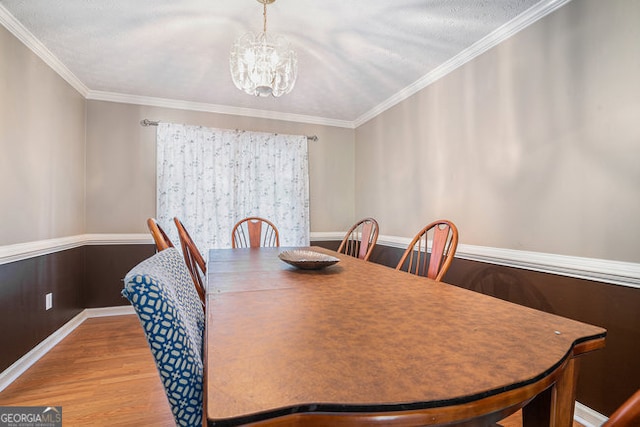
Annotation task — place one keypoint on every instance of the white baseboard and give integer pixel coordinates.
(109, 311)
(25, 362)
(587, 416)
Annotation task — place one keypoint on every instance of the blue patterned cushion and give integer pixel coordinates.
(162, 294)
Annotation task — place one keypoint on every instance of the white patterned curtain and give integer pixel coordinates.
(212, 178)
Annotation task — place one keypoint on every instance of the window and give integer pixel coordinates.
(212, 178)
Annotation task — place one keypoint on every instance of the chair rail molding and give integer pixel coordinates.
(22, 251)
(599, 270)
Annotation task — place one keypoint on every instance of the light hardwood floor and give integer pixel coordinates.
(103, 374)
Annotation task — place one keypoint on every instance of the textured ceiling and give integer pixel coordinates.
(353, 55)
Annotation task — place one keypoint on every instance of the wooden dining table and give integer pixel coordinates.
(358, 343)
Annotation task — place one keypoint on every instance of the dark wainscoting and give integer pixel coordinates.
(79, 278)
(106, 266)
(608, 376)
(24, 322)
(91, 277)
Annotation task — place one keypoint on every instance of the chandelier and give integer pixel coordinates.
(263, 64)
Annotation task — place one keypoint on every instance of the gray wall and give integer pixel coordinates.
(534, 145)
(121, 155)
(56, 147)
(42, 137)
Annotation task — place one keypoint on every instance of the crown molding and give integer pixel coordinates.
(21, 33)
(30, 41)
(214, 108)
(502, 33)
(531, 15)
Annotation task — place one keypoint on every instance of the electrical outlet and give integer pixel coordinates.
(48, 301)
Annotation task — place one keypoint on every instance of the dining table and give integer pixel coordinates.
(360, 343)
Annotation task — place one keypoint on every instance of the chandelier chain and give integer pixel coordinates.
(264, 14)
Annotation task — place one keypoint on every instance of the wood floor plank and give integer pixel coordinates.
(103, 374)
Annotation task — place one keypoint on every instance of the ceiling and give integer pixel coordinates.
(355, 58)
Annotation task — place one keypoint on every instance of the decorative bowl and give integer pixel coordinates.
(307, 260)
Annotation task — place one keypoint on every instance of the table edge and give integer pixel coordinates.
(411, 409)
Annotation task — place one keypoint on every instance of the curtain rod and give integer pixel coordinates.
(147, 122)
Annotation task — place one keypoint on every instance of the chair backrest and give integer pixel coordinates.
(162, 293)
(193, 258)
(159, 236)
(254, 232)
(360, 239)
(443, 236)
(628, 414)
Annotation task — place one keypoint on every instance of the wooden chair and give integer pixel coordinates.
(443, 236)
(159, 236)
(360, 239)
(627, 415)
(255, 232)
(193, 258)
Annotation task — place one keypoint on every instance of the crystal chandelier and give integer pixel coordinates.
(263, 64)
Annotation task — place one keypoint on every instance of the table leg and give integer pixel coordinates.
(564, 401)
(537, 412)
(554, 407)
